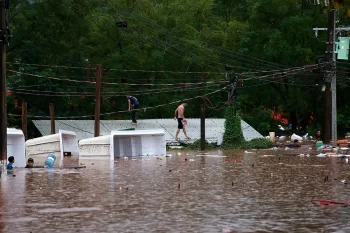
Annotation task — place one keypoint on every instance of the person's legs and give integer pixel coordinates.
(177, 134)
(133, 113)
(184, 130)
(133, 116)
(179, 126)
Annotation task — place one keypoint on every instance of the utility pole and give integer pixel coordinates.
(233, 95)
(52, 118)
(24, 120)
(3, 91)
(202, 127)
(329, 105)
(98, 100)
(334, 129)
(330, 95)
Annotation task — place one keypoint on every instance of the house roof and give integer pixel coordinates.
(85, 128)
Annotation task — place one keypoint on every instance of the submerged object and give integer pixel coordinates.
(330, 203)
(50, 160)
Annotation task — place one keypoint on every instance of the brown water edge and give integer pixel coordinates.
(201, 194)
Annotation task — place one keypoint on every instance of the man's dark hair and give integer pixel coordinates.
(296, 140)
(31, 160)
(11, 159)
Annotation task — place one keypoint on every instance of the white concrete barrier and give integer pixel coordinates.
(63, 145)
(137, 143)
(15, 146)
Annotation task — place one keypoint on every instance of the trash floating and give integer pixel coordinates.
(330, 203)
(232, 160)
(302, 155)
(248, 152)
(213, 156)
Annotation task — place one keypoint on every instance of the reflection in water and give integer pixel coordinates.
(186, 192)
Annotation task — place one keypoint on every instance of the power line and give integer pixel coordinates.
(119, 84)
(50, 66)
(125, 111)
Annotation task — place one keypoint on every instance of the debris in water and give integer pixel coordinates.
(253, 165)
(325, 179)
(179, 186)
(231, 160)
(330, 203)
(170, 170)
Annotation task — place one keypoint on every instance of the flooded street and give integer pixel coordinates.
(187, 192)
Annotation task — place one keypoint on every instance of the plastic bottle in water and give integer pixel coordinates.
(319, 144)
(50, 160)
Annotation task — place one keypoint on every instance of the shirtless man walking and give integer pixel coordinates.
(180, 115)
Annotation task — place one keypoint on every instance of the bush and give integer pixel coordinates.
(196, 145)
(259, 143)
(233, 136)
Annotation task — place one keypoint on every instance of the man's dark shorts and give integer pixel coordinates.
(180, 125)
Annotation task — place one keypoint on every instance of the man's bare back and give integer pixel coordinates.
(180, 111)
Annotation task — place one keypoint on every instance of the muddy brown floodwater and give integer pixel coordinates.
(244, 192)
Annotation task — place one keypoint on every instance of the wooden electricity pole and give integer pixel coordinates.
(3, 91)
(52, 118)
(329, 104)
(24, 120)
(202, 127)
(98, 101)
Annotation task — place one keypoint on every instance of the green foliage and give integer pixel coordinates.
(343, 120)
(233, 136)
(196, 145)
(259, 143)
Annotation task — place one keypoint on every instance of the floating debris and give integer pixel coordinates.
(325, 179)
(232, 160)
(330, 203)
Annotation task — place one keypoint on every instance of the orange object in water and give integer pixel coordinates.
(343, 143)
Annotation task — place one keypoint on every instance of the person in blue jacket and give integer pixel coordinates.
(132, 101)
(11, 160)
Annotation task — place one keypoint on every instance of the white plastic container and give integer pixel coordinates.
(137, 143)
(16, 146)
(63, 145)
(272, 136)
(95, 147)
